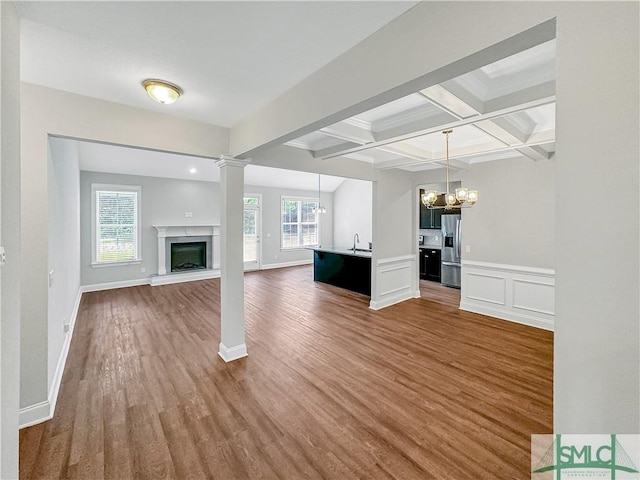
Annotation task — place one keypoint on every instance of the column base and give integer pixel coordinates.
(233, 353)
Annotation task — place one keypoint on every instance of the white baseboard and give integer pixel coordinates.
(233, 353)
(43, 411)
(183, 277)
(295, 263)
(511, 316)
(396, 280)
(392, 300)
(34, 414)
(510, 292)
(96, 287)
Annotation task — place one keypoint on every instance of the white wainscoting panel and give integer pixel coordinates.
(511, 292)
(486, 288)
(395, 281)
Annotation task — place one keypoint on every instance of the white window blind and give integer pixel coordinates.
(299, 222)
(116, 226)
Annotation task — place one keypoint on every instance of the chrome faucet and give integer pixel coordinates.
(355, 238)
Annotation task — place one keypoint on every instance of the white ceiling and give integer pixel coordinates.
(231, 58)
(502, 110)
(98, 157)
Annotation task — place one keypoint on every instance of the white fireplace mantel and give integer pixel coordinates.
(165, 231)
(186, 230)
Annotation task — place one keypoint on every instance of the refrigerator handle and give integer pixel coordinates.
(458, 240)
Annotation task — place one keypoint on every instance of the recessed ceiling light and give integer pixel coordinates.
(193, 170)
(161, 91)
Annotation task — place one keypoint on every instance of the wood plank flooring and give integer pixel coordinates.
(330, 390)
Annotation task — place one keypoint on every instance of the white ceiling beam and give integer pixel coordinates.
(331, 150)
(453, 164)
(535, 152)
(349, 133)
(498, 128)
(416, 125)
(454, 124)
(460, 153)
(526, 95)
(408, 151)
(450, 103)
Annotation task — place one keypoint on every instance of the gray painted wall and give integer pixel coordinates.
(353, 204)
(64, 245)
(514, 220)
(164, 202)
(9, 237)
(394, 226)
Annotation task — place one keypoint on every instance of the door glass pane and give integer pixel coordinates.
(250, 236)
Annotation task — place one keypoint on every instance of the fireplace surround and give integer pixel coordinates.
(176, 234)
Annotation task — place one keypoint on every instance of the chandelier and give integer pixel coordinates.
(462, 198)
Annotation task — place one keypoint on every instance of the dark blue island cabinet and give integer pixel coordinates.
(343, 268)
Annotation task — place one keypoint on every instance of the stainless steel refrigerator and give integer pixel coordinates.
(450, 272)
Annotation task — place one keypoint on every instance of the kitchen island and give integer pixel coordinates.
(343, 267)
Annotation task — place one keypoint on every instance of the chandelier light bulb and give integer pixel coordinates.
(461, 194)
(450, 199)
(429, 198)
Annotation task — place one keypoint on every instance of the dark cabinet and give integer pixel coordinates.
(430, 260)
(431, 218)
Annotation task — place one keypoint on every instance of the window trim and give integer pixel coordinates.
(317, 222)
(108, 187)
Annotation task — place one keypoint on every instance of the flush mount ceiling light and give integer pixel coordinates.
(463, 198)
(161, 91)
(193, 170)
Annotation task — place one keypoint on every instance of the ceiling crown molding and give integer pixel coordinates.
(232, 162)
(356, 122)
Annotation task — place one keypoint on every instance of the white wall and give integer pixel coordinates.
(394, 275)
(353, 206)
(164, 202)
(64, 245)
(46, 111)
(597, 336)
(513, 222)
(9, 237)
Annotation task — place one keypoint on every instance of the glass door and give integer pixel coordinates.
(251, 246)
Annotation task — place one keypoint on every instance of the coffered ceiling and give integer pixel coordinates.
(503, 110)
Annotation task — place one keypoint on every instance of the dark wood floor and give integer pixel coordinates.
(331, 389)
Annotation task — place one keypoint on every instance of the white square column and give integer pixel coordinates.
(232, 341)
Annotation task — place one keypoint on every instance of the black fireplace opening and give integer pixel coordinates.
(188, 256)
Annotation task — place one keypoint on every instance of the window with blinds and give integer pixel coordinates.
(116, 224)
(299, 222)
